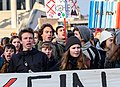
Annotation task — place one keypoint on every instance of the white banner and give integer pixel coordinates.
(77, 78)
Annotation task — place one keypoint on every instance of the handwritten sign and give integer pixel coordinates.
(61, 8)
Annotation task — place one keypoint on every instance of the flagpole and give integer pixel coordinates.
(65, 29)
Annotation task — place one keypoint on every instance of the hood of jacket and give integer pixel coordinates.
(85, 33)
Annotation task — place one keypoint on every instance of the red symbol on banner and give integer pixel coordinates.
(74, 4)
(10, 82)
(51, 8)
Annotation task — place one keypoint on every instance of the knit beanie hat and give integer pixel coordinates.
(104, 36)
(71, 41)
(117, 37)
(85, 33)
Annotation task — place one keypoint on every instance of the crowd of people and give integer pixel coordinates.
(49, 49)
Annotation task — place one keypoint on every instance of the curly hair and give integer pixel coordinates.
(42, 28)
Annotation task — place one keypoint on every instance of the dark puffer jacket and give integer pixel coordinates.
(26, 62)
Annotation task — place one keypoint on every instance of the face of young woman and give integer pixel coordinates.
(16, 43)
(47, 51)
(109, 42)
(75, 50)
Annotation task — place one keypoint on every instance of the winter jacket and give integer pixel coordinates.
(92, 53)
(1, 62)
(115, 64)
(4, 66)
(28, 61)
(51, 63)
(102, 60)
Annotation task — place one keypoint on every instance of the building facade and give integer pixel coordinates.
(21, 4)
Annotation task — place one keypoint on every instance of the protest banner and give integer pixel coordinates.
(73, 78)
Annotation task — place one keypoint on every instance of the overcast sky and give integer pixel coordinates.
(84, 6)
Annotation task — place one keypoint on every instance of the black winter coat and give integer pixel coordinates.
(30, 61)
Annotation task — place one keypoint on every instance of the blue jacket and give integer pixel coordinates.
(1, 62)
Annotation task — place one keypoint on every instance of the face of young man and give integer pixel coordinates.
(47, 34)
(75, 50)
(77, 34)
(61, 33)
(8, 53)
(27, 41)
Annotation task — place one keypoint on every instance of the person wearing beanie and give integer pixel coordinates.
(83, 33)
(113, 59)
(104, 45)
(71, 41)
(85, 36)
(73, 58)
(106, 39)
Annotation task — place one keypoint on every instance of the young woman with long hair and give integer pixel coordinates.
(113, 60)
(73, 58)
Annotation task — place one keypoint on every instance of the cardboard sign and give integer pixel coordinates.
(61, 8)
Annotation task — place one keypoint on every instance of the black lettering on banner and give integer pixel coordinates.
(30, 78)
(103, 76)
(76, 81)
(63, 80)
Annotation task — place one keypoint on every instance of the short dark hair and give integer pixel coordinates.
(25, 30)
(75, 29)
(10, 46)
(58, 27)
(42, 28)
(6, 40)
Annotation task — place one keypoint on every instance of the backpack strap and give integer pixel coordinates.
(91, 61)
(96, 59)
